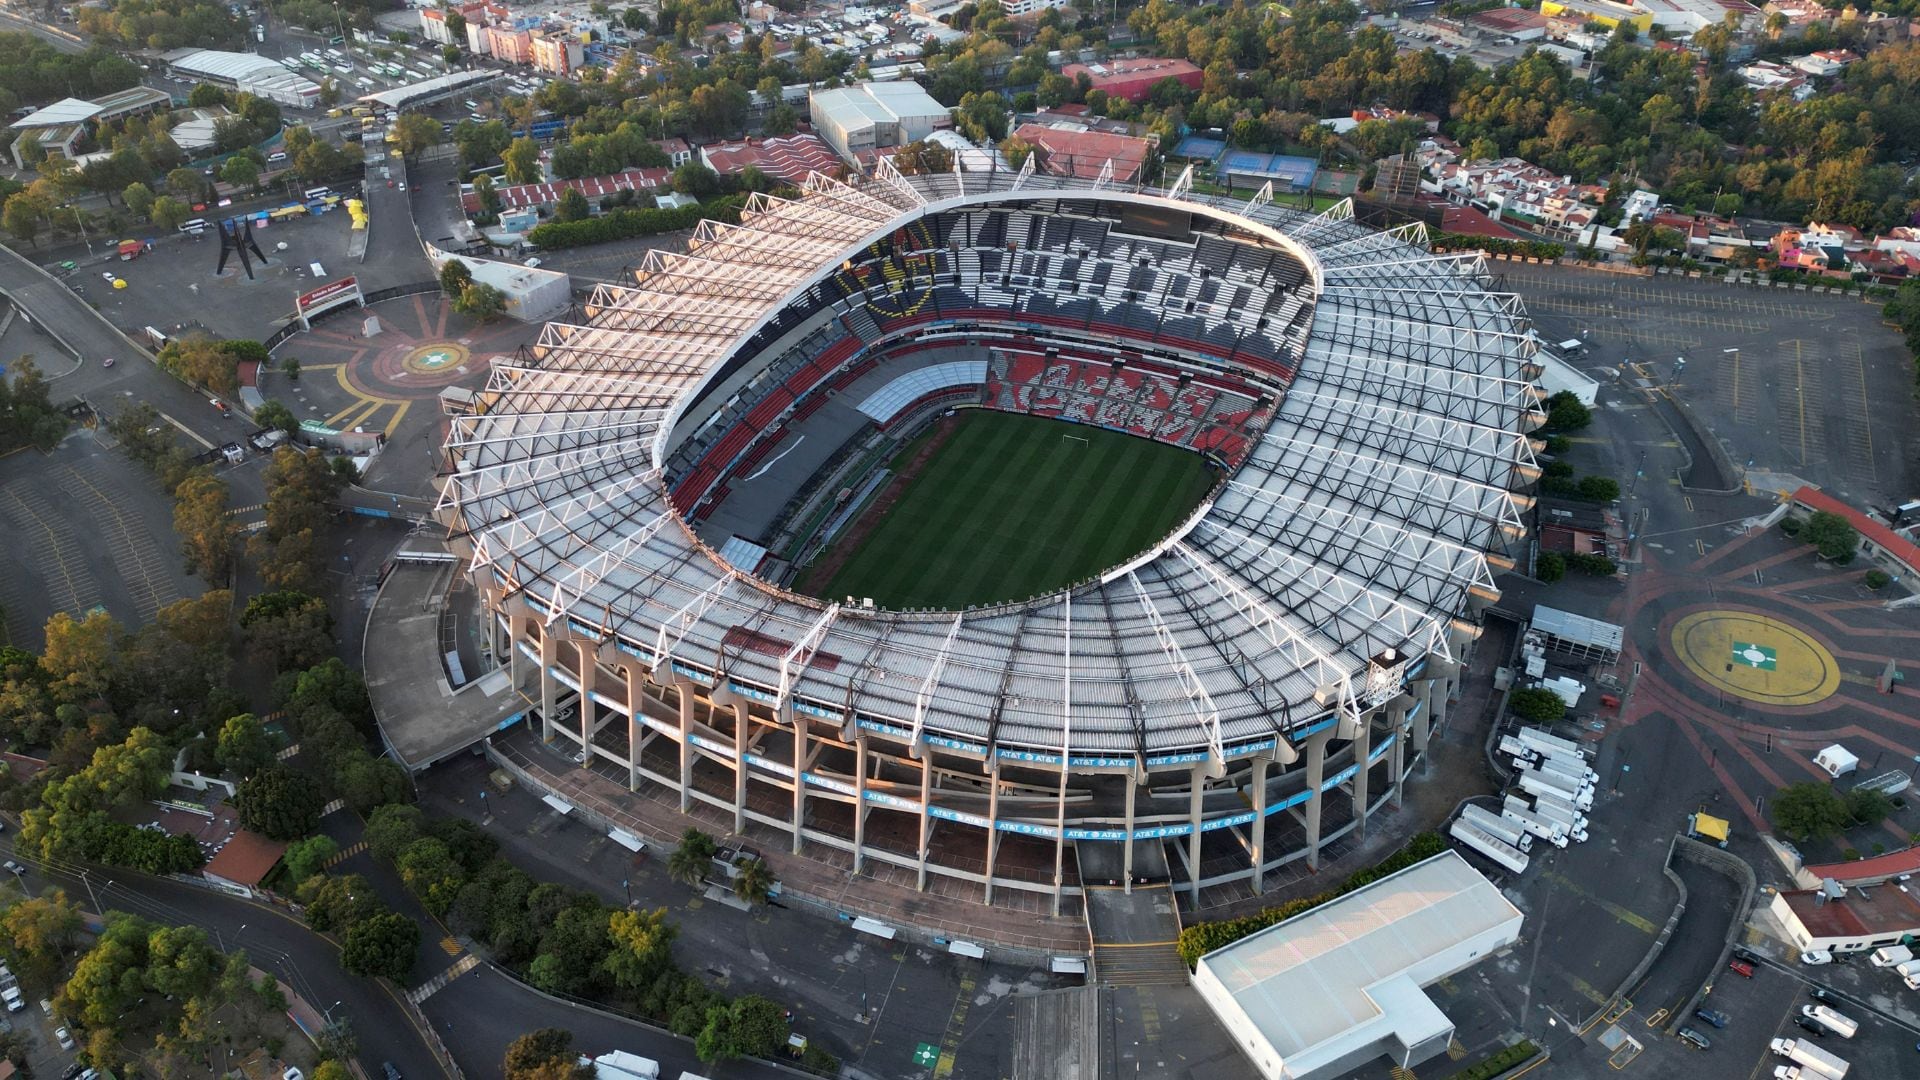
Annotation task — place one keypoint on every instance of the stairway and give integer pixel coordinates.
(1134, 934)
(1156, 964)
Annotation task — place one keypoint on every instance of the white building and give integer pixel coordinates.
(876, 115)
(1845, 919)
(1639, 203)
(1334, 989)
(532, 295)
(246, 72)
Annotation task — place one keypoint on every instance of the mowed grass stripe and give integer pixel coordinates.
(1010, 508)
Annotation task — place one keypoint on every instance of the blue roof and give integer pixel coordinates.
(1294, 172)
(1195, 146)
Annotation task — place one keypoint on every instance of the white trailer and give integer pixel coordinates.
(1567, 787)
(1516, 749)
(1548, 744)
(621, 1065)
(1576, 771)
(1890, 956)
(1533, 783)
(1573, 761)
(1511, 832)
(1560, 814)
(1803, 1053)
(1837, 1022)
(1538, 826)
(1486, 844)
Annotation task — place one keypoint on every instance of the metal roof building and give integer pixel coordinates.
(1341, 986)
(248, 72)
(1297, 635)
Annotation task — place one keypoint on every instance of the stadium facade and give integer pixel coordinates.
(1272, 668)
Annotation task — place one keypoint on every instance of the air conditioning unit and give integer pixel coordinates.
(1327, 695)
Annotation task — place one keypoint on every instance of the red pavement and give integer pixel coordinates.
(806, 878)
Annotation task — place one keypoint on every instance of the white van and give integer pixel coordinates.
(1838, 1023)
(1890, 955)
(1908, 970)
(276, 157)
(194, 227)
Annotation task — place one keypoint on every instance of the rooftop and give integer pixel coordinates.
(1072, 151)
(59, 114)
(245, 859)
(1355, 961)
(1880, 911)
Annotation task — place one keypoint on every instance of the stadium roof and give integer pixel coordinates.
(1349, 972)
(1360, 522)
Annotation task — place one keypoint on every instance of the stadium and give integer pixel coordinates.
(1008, 530)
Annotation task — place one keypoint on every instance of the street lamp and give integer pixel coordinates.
(328, 1014)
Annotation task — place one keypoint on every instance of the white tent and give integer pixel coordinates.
(1837, 760)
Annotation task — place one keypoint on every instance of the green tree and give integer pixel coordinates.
(288, 629)
(367, 782)
(545, 1054)
(1550, 567)
(431, 873)
(572, 207)
(1832, 534)
(1566, 413)
(390, 829)
(241, 171)
(280, 804)
(1868, 806)
(244, 747)
(640, 949)
(381, 946)
(415, 133)
(1599, 488)
(169, 213)
(1538, 706)
(1808, 811)
(455, 276)
(301, 486)
(522, 159)
(335, 903)
(40, 932)
(138, 198)
(305, 858)
(206, 528)
(753, 881)
(483, 302)
(693, 858)
(273, 414)
(205, 95)
(24, 214)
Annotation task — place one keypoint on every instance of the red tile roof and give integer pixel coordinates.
(1874, 532)
(789, 158)
(1468, 221)
(1878, 868)
(1083, 154)
(1881, 912)
(593, 187)
(245, 859)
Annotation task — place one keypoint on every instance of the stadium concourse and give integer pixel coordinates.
(631, 492)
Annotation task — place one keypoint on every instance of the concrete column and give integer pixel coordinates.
(1423, 722)
(1126, 859)
(1196, 792)
(514, 658)
(926, 821)
(1059, 857)
(859, 802)
(583, 657)
(799, 785)
(1316, 775)
(683, 691)
(993, 834)
(547, 693)
(1396, 757)
(635, 727)
(1442, 692)
(1362, 747)
(742, 727)
(1258, 850)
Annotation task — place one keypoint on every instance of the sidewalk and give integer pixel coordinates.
(803, 879)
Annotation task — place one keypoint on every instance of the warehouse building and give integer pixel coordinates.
(876, 115)
(246, 72)
(532, 295)
(1329, 991)
(59, 128)
(1135, 79)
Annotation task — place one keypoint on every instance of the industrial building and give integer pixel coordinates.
(533, 295)
(876, 115)
(1342, 985)
(61, 127)
(1847, 919)
(1257, 683)
(248, 73)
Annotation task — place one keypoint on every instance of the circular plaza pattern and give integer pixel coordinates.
(1756, 657)
(431, 359)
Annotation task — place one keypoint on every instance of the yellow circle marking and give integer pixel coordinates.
(431, 359)
(1756, 657)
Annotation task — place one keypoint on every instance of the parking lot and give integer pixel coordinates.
(1792, 382)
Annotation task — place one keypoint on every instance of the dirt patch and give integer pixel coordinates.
(828, 565)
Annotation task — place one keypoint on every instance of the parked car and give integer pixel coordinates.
(1740, 967)
(1823, 994)
(1748, 955)
(65, 1040)
(388, 1071)
(1815, 959)
(1813, 1028)
(1712, 1016)
(13, 868)
(1695, 1039)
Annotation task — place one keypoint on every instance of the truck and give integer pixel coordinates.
(1576, 771)
(1810, 1057)
(1545, 830)
(1487, 844)
(1517, 750)
(1890, 956)
(1498, 826)
(1545, 743)
(1837, 1022)
(621, 1065)
(1555, 804)
(1565, 786)
(1908, 970)
(1533, 783)
(1573, 824)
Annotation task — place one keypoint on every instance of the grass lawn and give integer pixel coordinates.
(1015, 506)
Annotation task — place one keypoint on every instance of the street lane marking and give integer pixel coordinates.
(191, 434)
(432, 986)
(1638, 922)
(344, 854)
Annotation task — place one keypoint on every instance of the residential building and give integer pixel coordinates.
(677, 151)
(509, 45)
(876, 115)
(1134, 79)
(1511, 187)
(1826, 63)
(1836, 918)
(790, 158)
(1065, 150)
(1638, 203)
(479, 41)
(433, 26)
(1020, 9)
(545, 196)
(243, 861)
(555, 53)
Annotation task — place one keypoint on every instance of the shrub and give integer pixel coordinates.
(1597, 565)
(1877, 579)
(1550, 567)
(1202, 938)
(626, 224)
(1537, 706)
(1599, 488)
(1510, 1058)
(1790, 526)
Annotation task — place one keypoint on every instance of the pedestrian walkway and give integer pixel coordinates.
(236, 511)
(344, 854)
(801, 877)
(1135, 935)
(432, 986)
(333, 807)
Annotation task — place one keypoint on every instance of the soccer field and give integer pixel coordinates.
(1014, 506)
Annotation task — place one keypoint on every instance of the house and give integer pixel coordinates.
(1063, 150)
(1767, 77)
(1134, 79)
(1826, 63)
(244, 861)
(790, 158)
(545, 196)
(677, 151)
(1836, 918)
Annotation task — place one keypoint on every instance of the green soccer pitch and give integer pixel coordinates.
(1014, 506)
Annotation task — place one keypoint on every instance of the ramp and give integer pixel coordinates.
(1134, 936)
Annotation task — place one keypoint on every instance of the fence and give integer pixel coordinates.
(279, 337)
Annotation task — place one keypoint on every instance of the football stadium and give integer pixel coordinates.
(1008, 530)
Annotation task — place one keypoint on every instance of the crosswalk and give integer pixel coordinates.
(236, 511)
(344, 854)
(432, 986)
(333, 807)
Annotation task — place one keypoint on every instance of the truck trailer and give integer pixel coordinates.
(1574, 824)
(1487, 844)
(1538, 826)
(1548, 744)
(1534, 784)
(1482, 818)
(1560, 784)
(1808, 1056)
